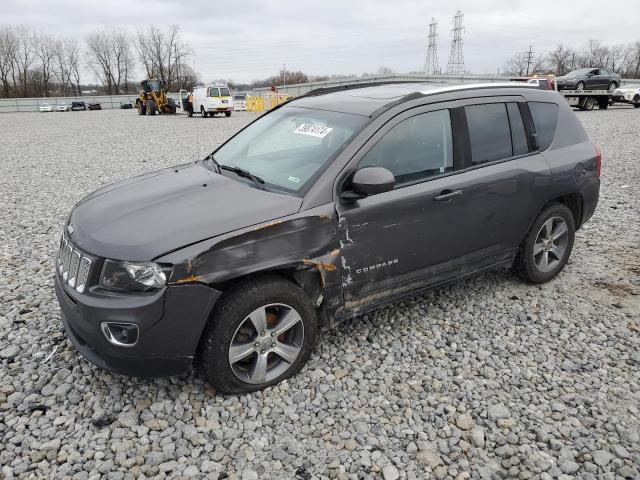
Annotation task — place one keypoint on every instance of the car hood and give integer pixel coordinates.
(144, 217)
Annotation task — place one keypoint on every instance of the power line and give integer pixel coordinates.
(431, 63)
(455, 65)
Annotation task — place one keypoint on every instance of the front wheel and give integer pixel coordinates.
(580, 86)
(548, 245)
(613, 86)
(151, 107)
(142, 109)
(260, 333)
(227, 114)
(203, 112)
(636, 101)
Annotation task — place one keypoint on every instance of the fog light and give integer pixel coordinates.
(120, 334)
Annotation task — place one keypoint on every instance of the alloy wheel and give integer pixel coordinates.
(266, 343)
(551, 242)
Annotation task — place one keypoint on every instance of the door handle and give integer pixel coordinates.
(448, 195)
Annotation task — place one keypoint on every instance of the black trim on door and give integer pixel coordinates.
(461, 142)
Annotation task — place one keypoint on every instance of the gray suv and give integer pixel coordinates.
(326, 207)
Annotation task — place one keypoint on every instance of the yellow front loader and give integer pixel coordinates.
(153, 98)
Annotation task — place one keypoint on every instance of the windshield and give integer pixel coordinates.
(579, 73)
(290, 145)
(239, 96)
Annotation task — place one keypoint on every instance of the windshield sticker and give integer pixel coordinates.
(312, 130)
(294, 179)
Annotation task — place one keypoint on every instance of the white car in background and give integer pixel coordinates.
(45, 107)
(240, 102)
(62, 107)
(628, 94)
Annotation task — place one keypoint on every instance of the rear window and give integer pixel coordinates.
(489, 132)
(213, 92)
(224, 92)
(545, 118)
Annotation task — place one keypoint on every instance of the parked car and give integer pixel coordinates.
(126, 105)
(77, 106)
(45, 107)
(62, 107)
(545, 83)
(94, 106)
(212, 99)
(335, 203)
(628, 94)
(240, 102)
(589, 79)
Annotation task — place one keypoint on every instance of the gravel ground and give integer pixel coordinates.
(488, 378)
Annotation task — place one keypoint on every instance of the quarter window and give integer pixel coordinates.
(545, 118)
(489, 132)
(416, 148)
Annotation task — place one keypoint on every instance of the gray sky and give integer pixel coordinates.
(244, 40)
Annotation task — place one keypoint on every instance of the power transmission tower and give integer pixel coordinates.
(529, 55)
(455, 65)
(431, 63)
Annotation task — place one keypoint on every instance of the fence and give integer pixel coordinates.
(32, 104)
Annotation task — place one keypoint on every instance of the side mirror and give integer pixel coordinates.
(369, 181)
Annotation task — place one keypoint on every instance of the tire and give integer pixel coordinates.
(530, 266)
(580, 86)
(636, 101)
(172, 106)
(203, 113)
(612, 86)
(142, 109)
(227, 114)
(589, 103)
(230, 321)
(151, 107)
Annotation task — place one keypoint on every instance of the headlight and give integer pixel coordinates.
(133, 276)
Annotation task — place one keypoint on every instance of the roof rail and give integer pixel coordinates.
(353, 86)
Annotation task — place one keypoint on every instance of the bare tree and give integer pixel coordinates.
(109, 58)
(8, 53)
(72, 54)
(24, 57)
(163, 53)
(44, 47)
(560, 60)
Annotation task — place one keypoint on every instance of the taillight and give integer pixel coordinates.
(598, 159)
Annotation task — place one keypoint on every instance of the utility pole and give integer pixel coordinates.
(284, 74)
(529, 55)
(431, 63)
(455, 65)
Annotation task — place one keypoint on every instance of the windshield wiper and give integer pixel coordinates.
(242, 173)
(214, 161)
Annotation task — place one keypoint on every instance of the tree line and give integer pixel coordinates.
(35, 64)
(623, 59)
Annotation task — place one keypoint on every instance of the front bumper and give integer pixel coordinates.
(170, 323)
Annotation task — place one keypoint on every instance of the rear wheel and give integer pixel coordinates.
(261, 332)
(227, 114)
(142, 109)
(589, 103)
(547, 247)
(172, 106)
(151, 107)
(203, 113)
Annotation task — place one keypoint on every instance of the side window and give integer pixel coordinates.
(545, 118)
(518, 133)
(416, 148)
(489, 132)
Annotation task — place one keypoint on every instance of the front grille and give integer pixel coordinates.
(73, 265)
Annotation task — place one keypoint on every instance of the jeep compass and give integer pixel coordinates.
(326, 207)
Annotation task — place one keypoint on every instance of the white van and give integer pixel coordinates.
(212, 99)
